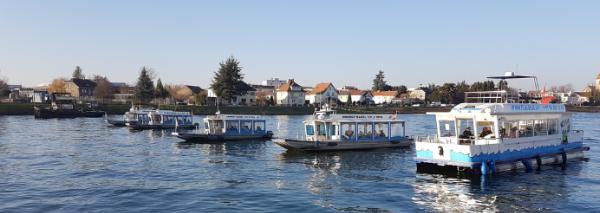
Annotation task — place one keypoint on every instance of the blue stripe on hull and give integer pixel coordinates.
(513, 155)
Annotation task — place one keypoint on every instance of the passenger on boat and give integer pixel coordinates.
(485, 132)
(381, 133)
(467, 133)
(348, 134)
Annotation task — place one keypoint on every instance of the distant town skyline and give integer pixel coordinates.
(343, 42)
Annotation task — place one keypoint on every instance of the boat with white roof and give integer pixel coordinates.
(328, 131)
(497, 131)
(162, 119)
(131, 116)
(224, 127)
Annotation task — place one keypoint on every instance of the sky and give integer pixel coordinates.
(344, 42)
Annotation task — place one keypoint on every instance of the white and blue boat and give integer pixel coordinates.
(328, 131)
(498, 131)
(223, 127)
(161, 119)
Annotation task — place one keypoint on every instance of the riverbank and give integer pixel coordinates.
(27, 109)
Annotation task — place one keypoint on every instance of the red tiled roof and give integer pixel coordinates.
(321, 88)
(287, 86)
(385, 93)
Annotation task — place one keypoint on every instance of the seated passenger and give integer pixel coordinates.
(258, 128)
(467, 133)
(381, 133)
(485, 132)
(348, 134)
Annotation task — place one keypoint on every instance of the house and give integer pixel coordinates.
(273, 82)
(80, 88)
(290, 94)
(355, 96)
(403, 99)
(417, 93)
(384, 97)
(264, 93)
(244, 95)
(322, 93)
(122, 93)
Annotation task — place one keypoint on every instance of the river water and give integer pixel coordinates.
(82, 165)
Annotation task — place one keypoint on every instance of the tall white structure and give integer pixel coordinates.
(274, 82)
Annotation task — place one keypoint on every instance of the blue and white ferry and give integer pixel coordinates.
(329, 131)
(224, 127)
(496, 131)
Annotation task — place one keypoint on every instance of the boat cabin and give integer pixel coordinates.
(478, 124)
(164, 117)
(329, 126)
(235, 125)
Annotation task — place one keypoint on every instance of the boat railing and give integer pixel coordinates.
(501, 96)
(428, 139)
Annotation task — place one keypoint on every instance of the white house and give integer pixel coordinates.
(384, 97)
(355, 96)
(322, 93)
(290, 93)
(417, 93)
(245, 95)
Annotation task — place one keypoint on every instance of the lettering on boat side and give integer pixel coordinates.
(537, 107)
(366, 117)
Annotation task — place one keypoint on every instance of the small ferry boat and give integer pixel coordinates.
(131, 116)
(63, 106)
(328, 131)
(228, 128)
(497, 131)
(162, 119)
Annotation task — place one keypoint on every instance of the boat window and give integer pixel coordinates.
(259, 126)
(246, 126)
(509, 129)
(565, 126)
(321, 129)
(397, 129)
(332, 129)
(310, 130)
(365, 130)
(540, 127)
(216, 126)
(485, 129)
(381, 130)
(447, 128)
(465, 128)
(552, 126)
(526, 128)
(348, 131)
(232, 126)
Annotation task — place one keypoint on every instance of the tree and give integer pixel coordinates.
(401, 89)
(144, 88)
(4, 91)
(227, 79)
(503, 85)
(57, 85)
(179, 92)
(103, 89)
(161, 92)
(483, 86)
(78, 73)
(379, 83)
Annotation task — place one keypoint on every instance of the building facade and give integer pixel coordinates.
(290, 94)
(322, 93)
(384, 97)
(80, 88)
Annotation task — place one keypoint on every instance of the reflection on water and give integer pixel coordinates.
(83, 165)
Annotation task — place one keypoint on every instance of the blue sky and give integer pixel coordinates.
(345, 42)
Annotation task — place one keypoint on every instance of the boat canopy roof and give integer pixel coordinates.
(234, 117)
(504, 108)
(171, 113)
(357, 118)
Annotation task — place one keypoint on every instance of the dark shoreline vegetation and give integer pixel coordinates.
(27, 109)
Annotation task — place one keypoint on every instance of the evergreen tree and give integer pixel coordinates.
(379, 82)
(227, 79)
(144, 88)
(161, 91)
(503, 85)
(78, 73)
(4, 91)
